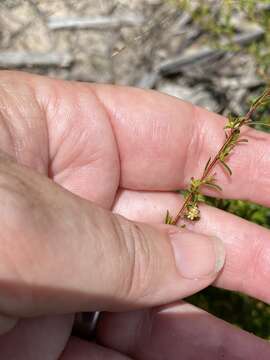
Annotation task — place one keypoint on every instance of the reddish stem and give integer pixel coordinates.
(213, 163)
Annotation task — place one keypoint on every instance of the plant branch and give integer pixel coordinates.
(190, 208)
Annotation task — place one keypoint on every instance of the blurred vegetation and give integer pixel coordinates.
(218, 23)
(222, 19)
(239, 309)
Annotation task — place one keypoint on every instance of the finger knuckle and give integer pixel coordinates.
(136, 269)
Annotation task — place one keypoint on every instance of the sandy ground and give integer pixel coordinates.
(44, 37)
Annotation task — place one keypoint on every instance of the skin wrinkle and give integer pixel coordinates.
(193, 139)
(48, 104)
(139, 259)
(199, 147)
(47, 142)
(140, 264)
(70, 174)
(53, 113)
(109, 117)
(161, 131)
(103, 242)
(33, 147)
(111, 113)
(121, 120)
(21, 148)
(118, 231)
(51, 108)
(129, 247)
(69, 165)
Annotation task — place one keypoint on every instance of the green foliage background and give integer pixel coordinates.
(239, 309)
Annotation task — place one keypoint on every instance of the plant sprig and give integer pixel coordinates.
(190, 208)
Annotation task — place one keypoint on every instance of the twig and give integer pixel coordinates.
(263, 7)
(95, 23)
(173, 66)
(148, 80)
(21, 59)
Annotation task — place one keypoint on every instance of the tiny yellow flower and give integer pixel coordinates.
(193, 212)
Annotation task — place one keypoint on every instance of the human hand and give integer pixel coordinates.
(126, 150)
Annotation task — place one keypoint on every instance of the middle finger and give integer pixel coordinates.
(247, 267)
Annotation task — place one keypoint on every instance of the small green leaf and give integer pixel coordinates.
(257, 123)
(264, 98)
(214, 186)
(195, 183)
(224, 154)
(235, 135)
(226, 167)
(233, 123)
(186, 193)
(200, 198)
(168, 218)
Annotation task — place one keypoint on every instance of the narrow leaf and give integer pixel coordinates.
(226, 167)
(252, 123)
(262, 98)
(214, 186)
(209, 179)
(207, 164)
(200, 198)
(168, 218)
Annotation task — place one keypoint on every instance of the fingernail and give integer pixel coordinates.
(196, 255)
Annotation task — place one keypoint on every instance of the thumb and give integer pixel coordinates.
(60, 253)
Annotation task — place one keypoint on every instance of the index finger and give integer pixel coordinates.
(164, 141)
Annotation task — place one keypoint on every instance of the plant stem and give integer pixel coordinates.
(244, 121)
